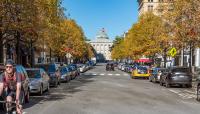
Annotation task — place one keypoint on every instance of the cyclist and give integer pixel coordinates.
(10, 83)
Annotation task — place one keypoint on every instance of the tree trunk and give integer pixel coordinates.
(165, 57)
(1, 48)
(50, 54)
(183, 58)
(18, 48)
(190, 56)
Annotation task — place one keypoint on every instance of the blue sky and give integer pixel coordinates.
(116, 16)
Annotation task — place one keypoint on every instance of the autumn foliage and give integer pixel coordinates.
(41, 22)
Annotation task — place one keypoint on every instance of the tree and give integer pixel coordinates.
(185, 19)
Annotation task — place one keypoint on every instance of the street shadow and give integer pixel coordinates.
(64, 91)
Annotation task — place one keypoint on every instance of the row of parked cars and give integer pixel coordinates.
(39, 78)
(168, 77)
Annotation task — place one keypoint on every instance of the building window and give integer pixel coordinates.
(150, 7)
(150, 0)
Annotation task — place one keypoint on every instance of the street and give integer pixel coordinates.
(112, 92)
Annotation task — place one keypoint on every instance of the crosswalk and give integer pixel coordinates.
(106, 74)
(184, 94)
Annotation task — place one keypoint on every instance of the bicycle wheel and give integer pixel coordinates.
(198, 93)
(8, 108)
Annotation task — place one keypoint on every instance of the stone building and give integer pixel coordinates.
(102, 46)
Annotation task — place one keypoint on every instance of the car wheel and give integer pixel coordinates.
(48, 87)
(150, 80)
(56, 84)
(189, 86)
(198, 93)
(167, 85)
(161, 84)
(41, 90)
(23, 98)
(154, 80)
(27, 97)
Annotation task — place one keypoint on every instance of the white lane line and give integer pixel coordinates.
(190, 91)
(102, 74)
(125, 74)
(174, 91)
(110, 74)
(117, 74)
(182, 94)
(94, 74)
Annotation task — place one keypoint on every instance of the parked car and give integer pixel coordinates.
(25, 83)
(110, 67)
(177, 76)
(156, 73)
(53, 71)
(82, 68)
(75, 67)
(120, 66)
(65, 74)
(140, 72)
(123, 67)
(198, 88)
(72, 71)
(39, 80)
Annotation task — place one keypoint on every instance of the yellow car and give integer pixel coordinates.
(140, 71)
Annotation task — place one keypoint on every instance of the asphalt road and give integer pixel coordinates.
(114, 92)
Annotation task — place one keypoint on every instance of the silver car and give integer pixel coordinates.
(65, 74)
(39, 80)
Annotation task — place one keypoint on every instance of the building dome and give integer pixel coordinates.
(102, 34)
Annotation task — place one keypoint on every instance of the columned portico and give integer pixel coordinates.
(102, 46)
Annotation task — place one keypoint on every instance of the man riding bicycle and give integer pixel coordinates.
(10, 83)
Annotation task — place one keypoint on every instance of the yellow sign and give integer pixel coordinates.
(173, 52)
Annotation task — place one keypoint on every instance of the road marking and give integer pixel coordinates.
(102, 74)
(110, 74)
(94, 74)
(126, 74)
(117, 74)
(185, 94)
(174, 91)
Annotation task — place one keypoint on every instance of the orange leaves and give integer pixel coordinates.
(143, 39)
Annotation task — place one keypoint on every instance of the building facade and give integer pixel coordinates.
(102, 46)
(155, 6)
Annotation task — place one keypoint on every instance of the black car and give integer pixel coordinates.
(53, 71)
(110, 67)
(177, 76)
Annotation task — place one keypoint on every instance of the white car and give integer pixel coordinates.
(39, 80)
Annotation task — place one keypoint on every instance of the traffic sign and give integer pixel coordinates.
(173, 52)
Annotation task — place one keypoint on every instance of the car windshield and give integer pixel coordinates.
(183, 70)
(63, 70)
(33, 73)
(142, 68)
(52, 68)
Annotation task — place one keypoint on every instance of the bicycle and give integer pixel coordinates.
(9, 107)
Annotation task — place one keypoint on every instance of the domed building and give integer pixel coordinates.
(102, 46)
